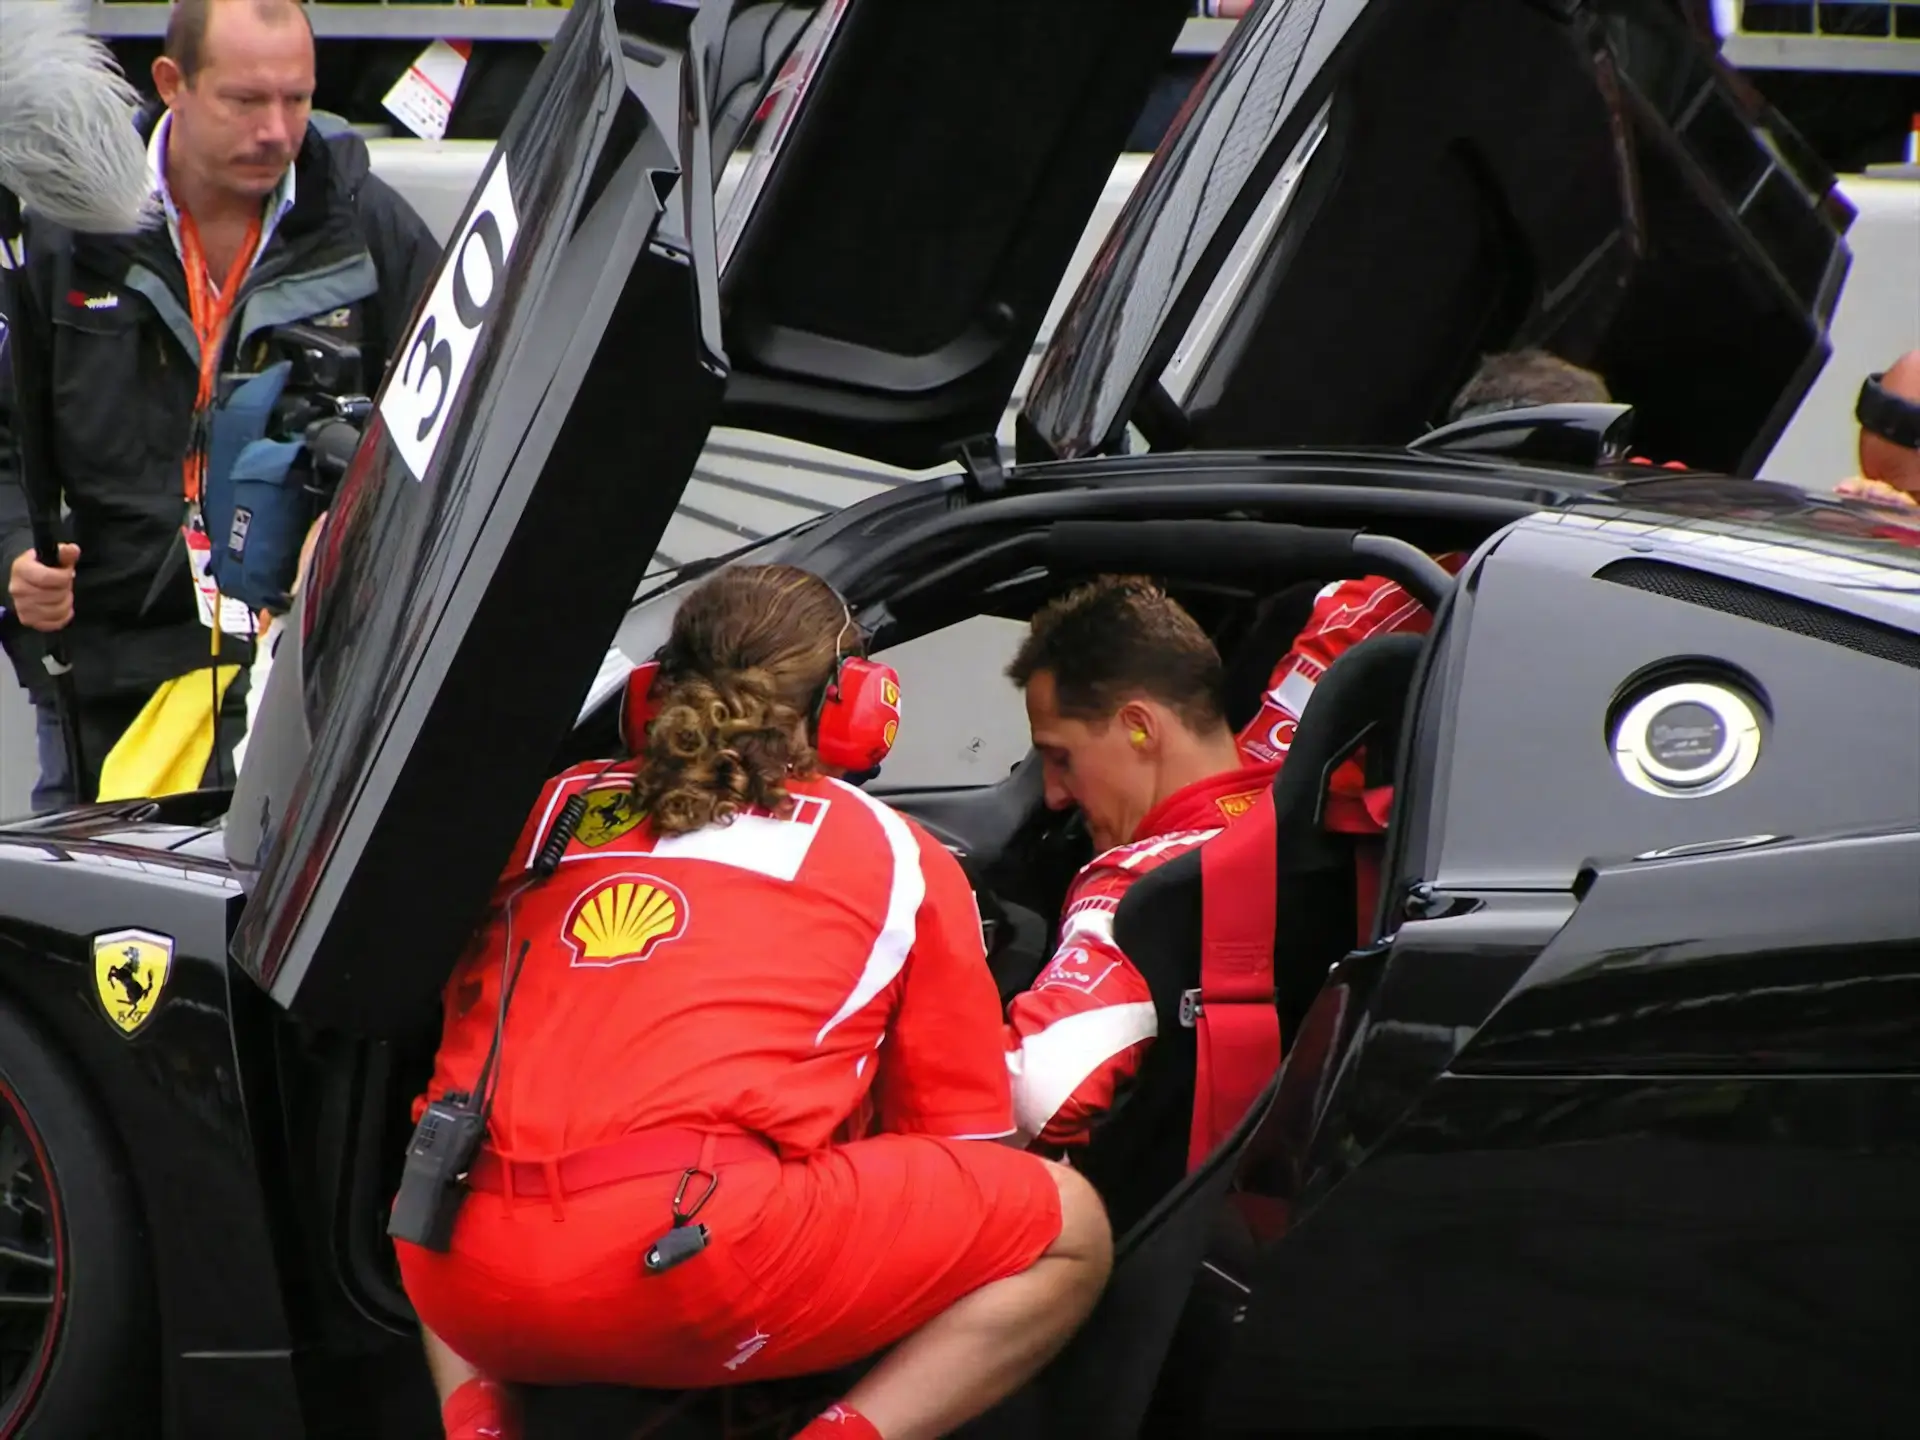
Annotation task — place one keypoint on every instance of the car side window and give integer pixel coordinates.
(961, 720)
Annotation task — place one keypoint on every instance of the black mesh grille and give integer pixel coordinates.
(1767, 607)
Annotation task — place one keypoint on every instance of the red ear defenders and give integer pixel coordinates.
(636, 706)
(854, 728)
(859, 715)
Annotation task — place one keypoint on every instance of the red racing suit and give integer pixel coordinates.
(1343, 615)
(1080, 1033)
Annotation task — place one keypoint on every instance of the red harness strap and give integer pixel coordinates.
(1237, 1026)
(1366, 822)
(1368, 852)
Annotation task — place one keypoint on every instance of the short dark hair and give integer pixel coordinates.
(1514, 378)
(1118, 637)
(186, 43)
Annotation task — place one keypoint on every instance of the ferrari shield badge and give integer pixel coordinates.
(1232, 807)
(130, 970)
(610, 814)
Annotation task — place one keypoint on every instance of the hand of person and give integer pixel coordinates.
(1878, 491)
(42, 595)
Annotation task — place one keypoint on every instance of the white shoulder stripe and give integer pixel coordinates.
(1053, 1063)
(1142, 851)
(906, 890)
(749, 842)
(1088, 924)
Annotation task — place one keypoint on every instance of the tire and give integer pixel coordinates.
(64, 1194)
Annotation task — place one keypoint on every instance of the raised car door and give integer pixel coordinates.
(563, 371)
(917, 176)
(1368, 196)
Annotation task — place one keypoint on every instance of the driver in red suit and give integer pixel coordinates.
(1124, 696)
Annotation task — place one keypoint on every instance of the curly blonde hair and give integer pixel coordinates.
(740, 676)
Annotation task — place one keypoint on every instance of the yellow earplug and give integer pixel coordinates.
(1139, 737)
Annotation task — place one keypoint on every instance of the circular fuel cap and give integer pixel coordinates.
(1689, 739)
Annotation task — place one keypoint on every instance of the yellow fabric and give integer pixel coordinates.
(166, 749)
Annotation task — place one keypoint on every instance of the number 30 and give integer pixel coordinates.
(471, 313)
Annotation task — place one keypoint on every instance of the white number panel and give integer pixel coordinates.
(428, 372)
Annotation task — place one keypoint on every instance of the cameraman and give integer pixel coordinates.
(267, 222)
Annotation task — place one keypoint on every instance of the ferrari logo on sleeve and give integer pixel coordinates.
(1234, 806)
(610, 814)
(130, 970)
(624, 919)
(890, 695)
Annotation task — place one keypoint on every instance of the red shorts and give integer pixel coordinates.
(812, 1264)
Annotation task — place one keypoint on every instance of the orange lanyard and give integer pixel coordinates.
(209, 311)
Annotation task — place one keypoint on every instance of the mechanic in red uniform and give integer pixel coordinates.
(1124, 696)
(735, 959)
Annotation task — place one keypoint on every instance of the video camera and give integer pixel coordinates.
(280, 444)
(324, 403)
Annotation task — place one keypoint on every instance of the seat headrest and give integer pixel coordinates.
(1364, 690)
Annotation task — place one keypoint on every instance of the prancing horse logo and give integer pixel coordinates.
(130, 971)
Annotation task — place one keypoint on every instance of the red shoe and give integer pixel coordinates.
(839, 1422)
(481, 1409)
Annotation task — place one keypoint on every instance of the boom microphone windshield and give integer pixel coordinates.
(68, 148)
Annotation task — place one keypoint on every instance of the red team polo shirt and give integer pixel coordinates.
(655, 993)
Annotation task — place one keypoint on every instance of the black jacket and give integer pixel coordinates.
(350, 255)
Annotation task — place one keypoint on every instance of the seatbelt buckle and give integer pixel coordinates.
(1190, 1008)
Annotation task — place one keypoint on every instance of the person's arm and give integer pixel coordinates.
(37, 596)
(1078, 1037)
(16, 525)
(942, 1071)
(16, 536)
(1878, 491)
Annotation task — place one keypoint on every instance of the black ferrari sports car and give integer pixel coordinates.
(1604, 1120)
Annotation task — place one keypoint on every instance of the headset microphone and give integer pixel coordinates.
(859, 716)
(855, 723)
(637, 707)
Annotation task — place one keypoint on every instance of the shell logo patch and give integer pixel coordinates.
(1234, 806)
(624, 919)
(130, 970)
(610, 814)
(890, 732)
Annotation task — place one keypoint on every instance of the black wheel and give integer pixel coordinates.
(76, 1347)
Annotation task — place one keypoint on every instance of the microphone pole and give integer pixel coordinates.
(69, 154)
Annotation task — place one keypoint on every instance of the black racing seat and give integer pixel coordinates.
(1358, 702)
(1139, 1151)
